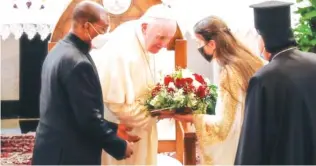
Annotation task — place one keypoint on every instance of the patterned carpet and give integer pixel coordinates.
(17, 150)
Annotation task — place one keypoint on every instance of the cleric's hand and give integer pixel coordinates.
(122, 132)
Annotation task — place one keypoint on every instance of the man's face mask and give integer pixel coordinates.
(98, 41)
(208, 57)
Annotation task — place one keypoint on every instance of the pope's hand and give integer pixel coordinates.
(122, 132)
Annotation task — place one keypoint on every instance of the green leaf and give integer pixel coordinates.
(310, 15)
(313, 2)
(313, 42)
(304, 10)
(303, 33)
(305, 48)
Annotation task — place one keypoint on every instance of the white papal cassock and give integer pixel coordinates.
(125, 72)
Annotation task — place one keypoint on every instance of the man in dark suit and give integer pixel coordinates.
(71, 129)
(280, 112)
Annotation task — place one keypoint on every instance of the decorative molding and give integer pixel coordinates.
(30, 29)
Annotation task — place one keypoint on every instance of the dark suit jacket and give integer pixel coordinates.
(280, 113)
(71, 128)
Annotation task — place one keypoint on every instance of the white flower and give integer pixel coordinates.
(179, 92)
(155, 101)
(186, 73)
(171, 85)
(192, 100)
(196, 83)
(208, 82)
(179, 97)
(164, 93)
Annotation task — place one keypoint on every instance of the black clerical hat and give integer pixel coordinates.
(273, 22)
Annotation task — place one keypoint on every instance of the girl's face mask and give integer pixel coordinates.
(205, 48)
(207, 57)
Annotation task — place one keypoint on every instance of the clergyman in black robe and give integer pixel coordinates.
(71, 129)
(280, 111)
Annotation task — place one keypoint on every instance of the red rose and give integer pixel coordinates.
(188, 80)
(199, 78)
(170, 90)
(201, 91)
(179, 83)
(167, 80)
(188, 88)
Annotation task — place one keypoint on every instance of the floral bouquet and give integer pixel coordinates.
(182, 92)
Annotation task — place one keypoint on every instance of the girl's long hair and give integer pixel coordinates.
(230, 52)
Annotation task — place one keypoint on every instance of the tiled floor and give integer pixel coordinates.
(11, 131)
(11, 126)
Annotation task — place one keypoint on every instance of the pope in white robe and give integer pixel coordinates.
(126, 70)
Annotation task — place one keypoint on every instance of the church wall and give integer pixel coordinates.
(10, 58)
(21, 62)
(10, 66)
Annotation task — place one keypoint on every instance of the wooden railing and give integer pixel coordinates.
(185, 143)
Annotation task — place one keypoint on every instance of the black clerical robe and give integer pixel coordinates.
(71, 129)
(280, 113)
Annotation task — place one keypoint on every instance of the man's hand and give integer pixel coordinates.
(129, 150)
(122, 133)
